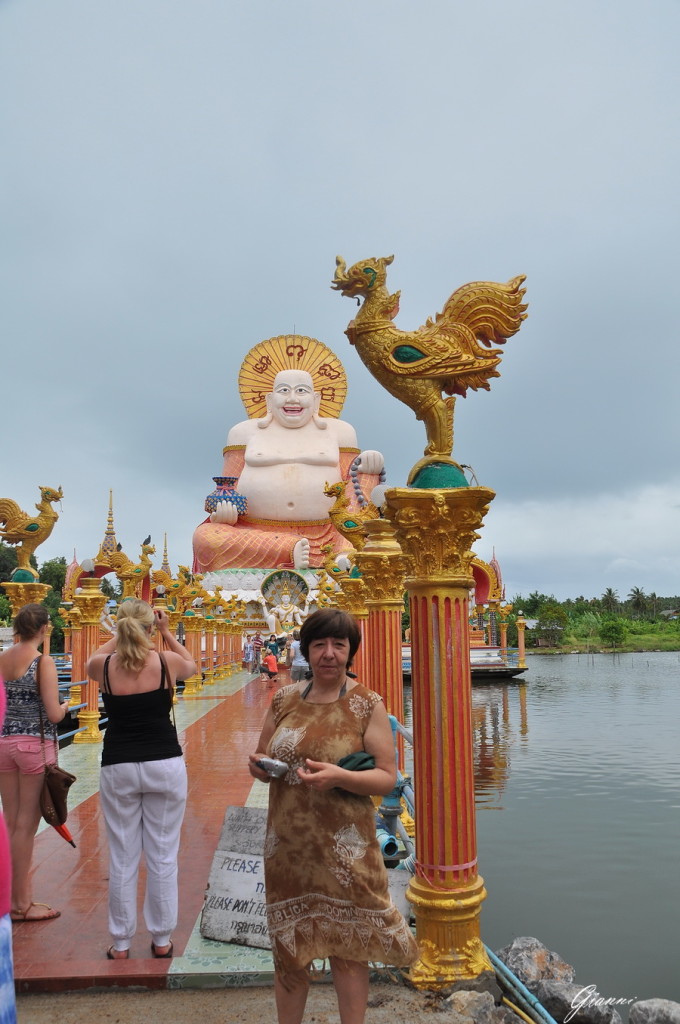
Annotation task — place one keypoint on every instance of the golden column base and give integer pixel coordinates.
(76, 696)
(448, 934)
(192, 685)
(92, 733)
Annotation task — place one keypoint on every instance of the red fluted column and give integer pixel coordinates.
(381, 565)
(436, 530)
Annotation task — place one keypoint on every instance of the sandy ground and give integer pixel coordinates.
(388, 1004)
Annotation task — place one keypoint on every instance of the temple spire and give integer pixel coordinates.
(109, 543)
(166, 565)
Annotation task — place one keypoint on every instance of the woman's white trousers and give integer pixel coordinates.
(143, 804)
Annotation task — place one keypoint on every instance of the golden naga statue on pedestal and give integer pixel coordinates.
(450, 353)
(28, 532)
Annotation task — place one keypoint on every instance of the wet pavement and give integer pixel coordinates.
(218, 728)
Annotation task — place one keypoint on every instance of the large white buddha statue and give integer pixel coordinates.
(282, 461)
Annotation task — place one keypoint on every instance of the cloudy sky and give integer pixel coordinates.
(177, 178)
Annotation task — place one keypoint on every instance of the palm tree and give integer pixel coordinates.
(653, 600)
(638, 600)
(610, 600)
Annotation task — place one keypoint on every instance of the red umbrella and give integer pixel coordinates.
(65, 834)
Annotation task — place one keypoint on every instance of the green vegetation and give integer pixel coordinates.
(639, 622)
(53, 573)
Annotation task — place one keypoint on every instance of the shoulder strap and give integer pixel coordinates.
(165, 674)
(106, 685)
(40, 714)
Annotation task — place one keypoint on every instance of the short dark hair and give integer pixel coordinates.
(330, 622)
(30, 620)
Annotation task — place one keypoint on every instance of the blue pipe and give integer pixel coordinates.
(388, 843)
(524, 997)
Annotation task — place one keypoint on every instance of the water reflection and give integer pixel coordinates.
(580, 767)
(494, 735)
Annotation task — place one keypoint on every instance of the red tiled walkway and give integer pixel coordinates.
(69, 952)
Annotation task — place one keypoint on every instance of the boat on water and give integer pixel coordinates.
(487, 664)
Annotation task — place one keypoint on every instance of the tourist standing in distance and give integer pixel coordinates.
(249, 654)
(258, 644)
(143, 785)
(298, 664)
(325, 880)
(22, 758)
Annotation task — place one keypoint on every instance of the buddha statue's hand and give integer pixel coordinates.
(225, 512)
(371, 462)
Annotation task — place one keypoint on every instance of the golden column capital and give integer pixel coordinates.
(90, 601)
(381, 564)
(436, 530)
(20, 594)
(352, 597)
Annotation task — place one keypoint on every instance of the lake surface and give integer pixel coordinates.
(578, 816)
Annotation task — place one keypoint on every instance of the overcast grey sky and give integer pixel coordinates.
(177, 178)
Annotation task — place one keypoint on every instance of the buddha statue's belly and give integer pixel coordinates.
(292, 491)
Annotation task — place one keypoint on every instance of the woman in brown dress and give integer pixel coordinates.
(326, 883)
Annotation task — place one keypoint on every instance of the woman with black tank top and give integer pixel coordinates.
(143, 785)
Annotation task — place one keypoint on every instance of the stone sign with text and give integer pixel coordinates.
(234, 909)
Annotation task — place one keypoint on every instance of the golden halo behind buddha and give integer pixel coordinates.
(292, 352)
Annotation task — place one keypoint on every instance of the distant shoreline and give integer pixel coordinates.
(594, 649)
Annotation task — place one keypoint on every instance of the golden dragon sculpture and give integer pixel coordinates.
(28, 532)
(131, 573)
(347, 521)
(449, 354)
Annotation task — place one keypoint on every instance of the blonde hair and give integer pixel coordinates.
(133, 625)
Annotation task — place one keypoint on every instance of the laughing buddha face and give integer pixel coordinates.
(293, 401)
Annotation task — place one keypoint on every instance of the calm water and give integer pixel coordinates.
(578, 816)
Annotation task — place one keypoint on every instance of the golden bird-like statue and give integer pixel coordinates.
(349, 522)
(131, 573)
(447, 355)
(25, 531)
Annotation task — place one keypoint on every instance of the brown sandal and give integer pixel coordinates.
(111, 954)
(161, 956)
(23, 915)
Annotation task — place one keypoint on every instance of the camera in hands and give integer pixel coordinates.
(277, 769)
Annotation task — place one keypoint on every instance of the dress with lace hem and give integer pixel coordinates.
(326, 883)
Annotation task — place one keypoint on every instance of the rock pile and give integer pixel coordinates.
(548, 977)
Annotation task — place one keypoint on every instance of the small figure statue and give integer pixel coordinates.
(285, 616)
(282, 461)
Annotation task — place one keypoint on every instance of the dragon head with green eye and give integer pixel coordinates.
(368, 279)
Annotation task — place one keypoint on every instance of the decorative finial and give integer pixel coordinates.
(165, 567)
